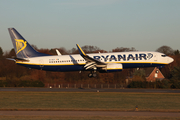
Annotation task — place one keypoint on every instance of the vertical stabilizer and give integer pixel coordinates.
(22, 48)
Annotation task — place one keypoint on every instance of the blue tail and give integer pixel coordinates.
(22, 48)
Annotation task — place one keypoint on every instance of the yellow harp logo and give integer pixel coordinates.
(20, 45)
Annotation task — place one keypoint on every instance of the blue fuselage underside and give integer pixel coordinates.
(65, 68)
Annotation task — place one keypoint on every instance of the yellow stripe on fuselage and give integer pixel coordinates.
(113, 68)
(85, 63)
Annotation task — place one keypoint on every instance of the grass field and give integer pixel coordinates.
(89, 101)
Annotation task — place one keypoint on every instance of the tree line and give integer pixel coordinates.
(12, 75)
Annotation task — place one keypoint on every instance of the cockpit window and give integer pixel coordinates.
(163, 55)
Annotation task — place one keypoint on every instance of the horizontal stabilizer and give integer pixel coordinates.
(17, 59)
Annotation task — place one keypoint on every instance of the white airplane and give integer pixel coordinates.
(102, 62)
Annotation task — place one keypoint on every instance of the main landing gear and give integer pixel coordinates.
(92, 74)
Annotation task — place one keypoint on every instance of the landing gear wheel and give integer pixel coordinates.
(94, 74)
(90, 75)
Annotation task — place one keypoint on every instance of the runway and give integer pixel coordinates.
(91, 90)
(88, 113)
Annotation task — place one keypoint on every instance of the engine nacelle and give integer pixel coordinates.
(113, 67)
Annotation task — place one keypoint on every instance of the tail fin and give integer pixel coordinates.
(22, 48)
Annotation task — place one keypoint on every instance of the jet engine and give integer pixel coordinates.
(112, 67)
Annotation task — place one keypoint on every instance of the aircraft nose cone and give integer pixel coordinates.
(170, 60)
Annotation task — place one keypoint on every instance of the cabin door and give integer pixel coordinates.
(155, 57)
(41, 63)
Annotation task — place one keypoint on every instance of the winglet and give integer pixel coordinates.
(81, 52)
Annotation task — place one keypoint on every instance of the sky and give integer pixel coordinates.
(145, 25)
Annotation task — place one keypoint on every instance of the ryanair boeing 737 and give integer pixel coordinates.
(102, 62)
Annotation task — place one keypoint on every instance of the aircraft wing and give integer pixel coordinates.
(57, 51)
(90, 62)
